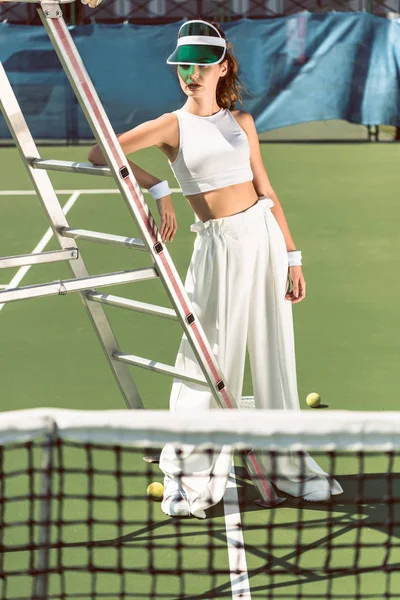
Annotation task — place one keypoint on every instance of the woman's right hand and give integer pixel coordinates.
(168, 225)
(95, 156)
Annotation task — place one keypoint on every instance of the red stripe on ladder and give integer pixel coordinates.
(149, 224)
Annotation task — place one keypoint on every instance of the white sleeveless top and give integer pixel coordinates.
(213, 152)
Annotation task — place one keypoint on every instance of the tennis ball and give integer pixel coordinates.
(313, 400)
(155, 491)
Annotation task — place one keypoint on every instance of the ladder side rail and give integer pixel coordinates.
(130, 190)
(50, 203)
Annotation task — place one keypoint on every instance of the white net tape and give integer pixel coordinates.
(260, 430)
(247, 403)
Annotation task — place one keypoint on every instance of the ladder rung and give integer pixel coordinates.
(61, 288)
(70, 167)
(142, 307)
(103, 238)
(157, 367)
(23, 260)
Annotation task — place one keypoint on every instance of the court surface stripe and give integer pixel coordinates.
(234, 536)
(22, 271)
(88, 191)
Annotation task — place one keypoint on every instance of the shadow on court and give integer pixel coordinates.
(354, 534)
(291, 547)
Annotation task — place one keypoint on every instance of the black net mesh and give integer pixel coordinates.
(79, 524)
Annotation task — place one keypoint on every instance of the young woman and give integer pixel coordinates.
(243, 262)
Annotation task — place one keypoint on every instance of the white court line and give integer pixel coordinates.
(234, 536)
(49, 233)
(88, 191)
(20, 274)
(69, 192)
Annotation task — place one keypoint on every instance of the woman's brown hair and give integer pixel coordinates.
(229, 87)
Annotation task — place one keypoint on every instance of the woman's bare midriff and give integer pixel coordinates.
(223, 202)
(215, 204)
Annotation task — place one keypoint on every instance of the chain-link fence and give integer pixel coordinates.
(166, 11)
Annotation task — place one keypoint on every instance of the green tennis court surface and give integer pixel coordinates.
(341, 202)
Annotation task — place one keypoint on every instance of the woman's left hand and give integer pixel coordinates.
(298, 284)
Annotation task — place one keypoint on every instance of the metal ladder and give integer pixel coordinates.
(163, 267)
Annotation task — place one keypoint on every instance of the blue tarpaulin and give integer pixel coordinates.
(306, 67)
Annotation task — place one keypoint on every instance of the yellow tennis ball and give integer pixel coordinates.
(155, 491)
(313, 400)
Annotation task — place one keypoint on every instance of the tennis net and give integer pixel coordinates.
(76, 522)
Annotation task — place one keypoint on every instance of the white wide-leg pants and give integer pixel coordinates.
(237, 281)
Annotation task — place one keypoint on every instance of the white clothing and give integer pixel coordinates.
(237, 280)
(213, 152)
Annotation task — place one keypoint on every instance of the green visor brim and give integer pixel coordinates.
(200, 54)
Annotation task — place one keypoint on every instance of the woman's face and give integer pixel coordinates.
(205, 77)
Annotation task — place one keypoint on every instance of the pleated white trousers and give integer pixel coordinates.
(236, 281)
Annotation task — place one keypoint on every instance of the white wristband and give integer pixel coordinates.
(294, 258)
(160, 190)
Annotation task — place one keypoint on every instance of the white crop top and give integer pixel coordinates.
(213, 152)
